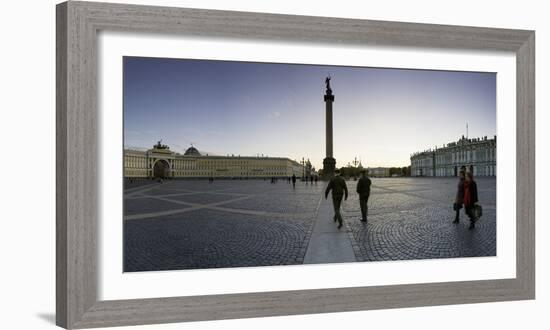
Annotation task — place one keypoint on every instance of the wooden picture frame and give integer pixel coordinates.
(78, 24)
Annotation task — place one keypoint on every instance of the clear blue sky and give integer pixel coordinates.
(381, 116)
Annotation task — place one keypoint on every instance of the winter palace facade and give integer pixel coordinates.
(476, 155)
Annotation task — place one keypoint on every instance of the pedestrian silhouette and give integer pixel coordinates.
(470, 198)
(363, 189)
(293, 180)
(339, 190)
(459, 199)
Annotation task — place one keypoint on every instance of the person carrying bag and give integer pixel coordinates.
(470, 200)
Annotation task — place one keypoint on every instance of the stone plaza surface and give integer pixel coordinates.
(183, 224)
(411, 218)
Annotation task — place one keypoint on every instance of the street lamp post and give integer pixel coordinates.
(303, 169)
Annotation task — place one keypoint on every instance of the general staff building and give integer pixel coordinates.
(161, 162)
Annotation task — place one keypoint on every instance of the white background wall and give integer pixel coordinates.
(27, 135)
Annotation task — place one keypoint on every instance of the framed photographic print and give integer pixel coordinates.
(216, 165)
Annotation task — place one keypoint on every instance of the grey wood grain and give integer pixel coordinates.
(525, 165)
(77, 141)
(61, 167)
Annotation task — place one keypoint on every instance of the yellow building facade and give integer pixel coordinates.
(161, 162)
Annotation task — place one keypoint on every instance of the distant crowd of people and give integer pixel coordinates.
(292, 179)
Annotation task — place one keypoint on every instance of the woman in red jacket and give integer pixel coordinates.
(470, 198)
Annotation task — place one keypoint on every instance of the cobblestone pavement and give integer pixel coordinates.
(411, 218)
(196, 224)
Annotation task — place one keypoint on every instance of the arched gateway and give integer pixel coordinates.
(161, 169)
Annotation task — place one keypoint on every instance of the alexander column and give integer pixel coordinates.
(329, 163)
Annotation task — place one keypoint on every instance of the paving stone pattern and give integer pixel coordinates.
(412, 219)
(240, 223)
(221, 224)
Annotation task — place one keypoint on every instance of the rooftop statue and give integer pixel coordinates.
(159, 145)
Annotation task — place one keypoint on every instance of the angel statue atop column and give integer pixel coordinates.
(327, 83)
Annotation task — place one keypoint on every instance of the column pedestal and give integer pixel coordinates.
(329, 165)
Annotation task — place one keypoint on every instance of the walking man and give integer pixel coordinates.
(339, 190)
(363, 189)
(293, 180)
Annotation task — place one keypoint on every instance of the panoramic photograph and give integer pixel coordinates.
(245, 164)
